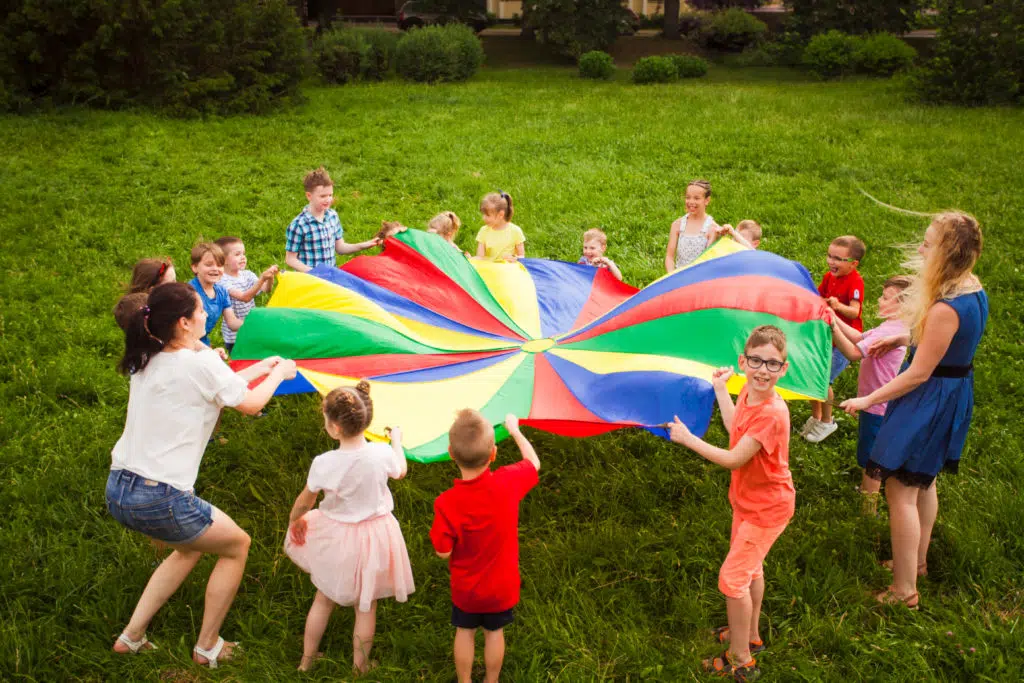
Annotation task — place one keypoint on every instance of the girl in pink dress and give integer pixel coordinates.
(351, 545)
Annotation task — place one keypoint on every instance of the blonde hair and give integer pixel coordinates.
(317, 178)
(204, 248)
(350, 408)
(853, 243)
(947, 272)
(445, 224)
(750, 229)
(498, 201)
(766, 334)
(471, 439)
(595, 234)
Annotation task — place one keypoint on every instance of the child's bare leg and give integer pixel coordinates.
(826, 407)
(756, 595)
(362, 638)
(816, 409)
(316, 624)
(869, 485)
(465, 644)
(905, 527)
(927, 510)
(494, 653)
(739, 611)
(167, 578)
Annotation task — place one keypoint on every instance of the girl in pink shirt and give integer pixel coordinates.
(351, 545)
(874, 372)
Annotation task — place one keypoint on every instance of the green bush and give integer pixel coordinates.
(689, 66)
(731, 30)
(979, 57)
(439, 53)
(832, 54)
(597, 64)
(340, 54)
(573, 27)
(654, 70)
(380, 55)
(884, 54)
(691, 22)
(187, 56)
(854, 16)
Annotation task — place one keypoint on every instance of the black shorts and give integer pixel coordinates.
(492, 621)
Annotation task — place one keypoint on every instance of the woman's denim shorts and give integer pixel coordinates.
(157, 510)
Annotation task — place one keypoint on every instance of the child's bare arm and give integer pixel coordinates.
(521, 250)
(396, 446)
(719, 380)
(729, 459)
(610, 266)
(291, 259)
(670, 251)
(232, 320)
(261, 285)
(845, 345)
(296, 524)
(851, 333)
(850, 310)
(481, 250)
(525, 447)
(343, 247)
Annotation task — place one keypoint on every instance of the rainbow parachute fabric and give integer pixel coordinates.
(567, 348)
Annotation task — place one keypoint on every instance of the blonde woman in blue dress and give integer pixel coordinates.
(693, 233)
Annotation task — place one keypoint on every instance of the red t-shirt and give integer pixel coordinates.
(846, 288)
(477, 520)
(761, 492)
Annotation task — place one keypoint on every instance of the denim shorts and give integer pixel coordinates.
(155, 509)
(839, 363)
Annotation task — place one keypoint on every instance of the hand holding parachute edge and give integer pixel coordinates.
(677, 431)
(720, 377)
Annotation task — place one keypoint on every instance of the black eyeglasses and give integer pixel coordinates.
(754, 362)
(841, 259)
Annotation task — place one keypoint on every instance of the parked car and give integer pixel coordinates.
(424, 13)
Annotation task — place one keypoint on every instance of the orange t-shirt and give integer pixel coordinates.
(761, 492)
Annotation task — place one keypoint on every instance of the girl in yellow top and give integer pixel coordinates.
(499, 239)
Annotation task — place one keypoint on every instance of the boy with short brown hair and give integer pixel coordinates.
(476, 528)
(595, 243)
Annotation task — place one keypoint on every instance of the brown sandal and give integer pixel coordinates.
(889, 597)
(922, 569)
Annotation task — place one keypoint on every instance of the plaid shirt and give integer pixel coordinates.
(314, 240)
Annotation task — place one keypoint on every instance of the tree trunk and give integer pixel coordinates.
(671, 27)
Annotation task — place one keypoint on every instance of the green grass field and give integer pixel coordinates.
(622, 540)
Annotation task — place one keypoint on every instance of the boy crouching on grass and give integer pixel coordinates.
(761, 491)
(476, 528)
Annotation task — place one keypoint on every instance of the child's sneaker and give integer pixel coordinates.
(821, 431)
(808, 426)
(721, 666)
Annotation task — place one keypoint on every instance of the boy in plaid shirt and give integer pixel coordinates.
(315, 236)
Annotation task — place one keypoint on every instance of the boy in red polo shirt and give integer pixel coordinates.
(476, 528)
(843, 290)
(761, 491)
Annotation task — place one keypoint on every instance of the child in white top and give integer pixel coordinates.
(243, 285)
(351, 545)
(691, 234)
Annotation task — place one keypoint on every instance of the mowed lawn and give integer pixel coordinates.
(622, 540)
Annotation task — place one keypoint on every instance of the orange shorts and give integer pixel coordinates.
(748, 546)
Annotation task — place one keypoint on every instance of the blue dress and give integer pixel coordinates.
(924, 432)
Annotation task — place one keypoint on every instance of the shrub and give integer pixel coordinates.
(725, 4)
(573, 27)
(656, 20)
(654, 70)
(832, 54)
(978, 58)
(188, 56)
(849, 16)
(690, 23)
(689, 66)
(380, 54)
(340, 54)
(884, 54)
(439, 53)
(597, 64)
(731, 30)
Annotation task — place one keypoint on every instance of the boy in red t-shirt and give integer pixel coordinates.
(761, 491)
(476, 528)
(843, 290)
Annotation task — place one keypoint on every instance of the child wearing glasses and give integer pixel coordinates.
(761, 491)
(843, 290)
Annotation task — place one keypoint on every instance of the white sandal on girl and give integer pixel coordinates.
(213, 654)
(136, 646)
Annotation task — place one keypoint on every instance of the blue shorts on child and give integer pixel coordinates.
(839, 363)
(867, 431)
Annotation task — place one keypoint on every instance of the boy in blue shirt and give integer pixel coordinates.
(208, 265)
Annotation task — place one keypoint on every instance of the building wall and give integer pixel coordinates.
(506, 9)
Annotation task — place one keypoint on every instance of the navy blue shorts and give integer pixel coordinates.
(867, 430)
(155, 509)
(491, 621)
(839, 363)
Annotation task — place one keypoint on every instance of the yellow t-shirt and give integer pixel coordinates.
(499, 244)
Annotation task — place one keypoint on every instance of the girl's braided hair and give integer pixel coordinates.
(350, 408)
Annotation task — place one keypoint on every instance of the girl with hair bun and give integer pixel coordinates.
(351, 545)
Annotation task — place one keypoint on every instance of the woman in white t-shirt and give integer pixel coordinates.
(178, 387)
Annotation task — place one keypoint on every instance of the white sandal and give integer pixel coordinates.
(212, 654)
(136, 646)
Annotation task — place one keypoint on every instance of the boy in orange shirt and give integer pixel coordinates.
(761, 491)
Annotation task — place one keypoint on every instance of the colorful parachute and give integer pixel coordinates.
(565, 347)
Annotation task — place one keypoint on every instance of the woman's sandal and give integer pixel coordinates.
(721, 666)
(922, 569)
(213, 654)
(135, 646)
(889, 597)
(722, 633)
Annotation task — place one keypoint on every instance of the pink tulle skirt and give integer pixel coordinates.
(354, 564)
